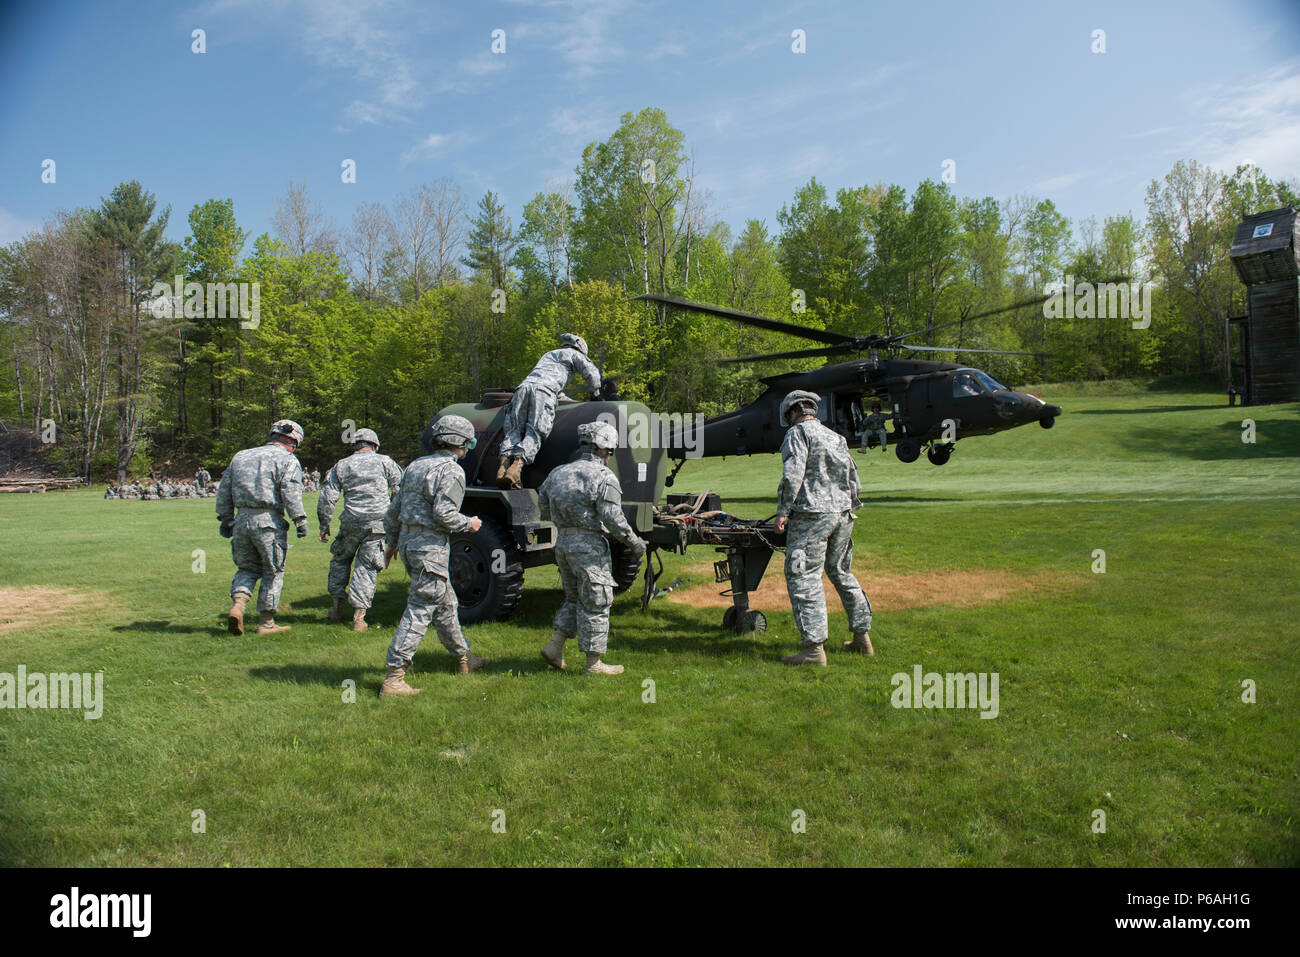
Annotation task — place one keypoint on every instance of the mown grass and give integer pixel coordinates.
(1119, 692)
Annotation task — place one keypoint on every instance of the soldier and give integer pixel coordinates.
(202, 478)
(874, 424)
(818, 491)
(315, 480)
(531, 411)
(421, 516)
(262, 483)
(367, 481)
(585, 501)
(110, 492)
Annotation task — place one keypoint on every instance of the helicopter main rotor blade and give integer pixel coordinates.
(997, 352)
(797, 354)
(751, 319)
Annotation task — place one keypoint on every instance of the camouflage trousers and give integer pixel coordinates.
(881, 435)
(358, 552)
(432, 601)
(817, 542)
(259, 546)
(529, 418)
(585, 573)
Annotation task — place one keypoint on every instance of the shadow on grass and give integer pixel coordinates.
(1144, 409)
(1274, 439)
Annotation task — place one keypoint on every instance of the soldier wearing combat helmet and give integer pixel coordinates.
(263, 483)
(585, 501)
(531, 411)
(817, 496)
(420, 519)
(366, 480)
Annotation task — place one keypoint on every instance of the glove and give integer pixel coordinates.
(325, 532)
(301, 525)
(228, 529)
(640, 545)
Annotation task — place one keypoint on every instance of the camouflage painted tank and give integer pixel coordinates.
(487, 568)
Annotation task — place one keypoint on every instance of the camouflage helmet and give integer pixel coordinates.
(287, 428)
(797, 398)
(600, 434)
(366, 435)
(454, 430)
(572, 341)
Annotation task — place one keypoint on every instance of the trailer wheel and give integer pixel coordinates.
(753, 621)
(729, 618)
(486, 572)
(626, 566)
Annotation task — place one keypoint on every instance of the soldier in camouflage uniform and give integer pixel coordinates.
(585, 501)
(367, 481)
(420, 518)
(262, 483)
(818, 493)
(874, 424)
(531, 411)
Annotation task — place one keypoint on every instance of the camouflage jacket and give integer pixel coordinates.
(554, 370)
(817, 474)
(367, 481)
(429, 497)
(585, 494)
(268, 476)
(875, 421)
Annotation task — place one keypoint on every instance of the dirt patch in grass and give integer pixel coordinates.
(38, 605)
(961, 587)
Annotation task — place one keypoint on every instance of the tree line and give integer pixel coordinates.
(425, 302)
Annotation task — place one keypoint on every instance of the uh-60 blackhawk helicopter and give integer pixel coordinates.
(933, 403)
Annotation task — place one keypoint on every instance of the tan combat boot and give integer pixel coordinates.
(807, 655)
(469, 662)
(336, 610)
(359, 619)
(554, 651)
(235, 618)
(515, 473)
(266, 623)
(861, 643)
(597, 667)
(395, 683)
(501, 470)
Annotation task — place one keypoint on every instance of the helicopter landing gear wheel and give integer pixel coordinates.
(1048, 422)
(908, 450)
(729, 618)
(939, 454)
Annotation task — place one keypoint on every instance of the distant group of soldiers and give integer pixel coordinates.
(413, 514)
(164, 488)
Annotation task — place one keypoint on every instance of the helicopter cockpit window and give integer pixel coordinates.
(990, 383)
(964, 384)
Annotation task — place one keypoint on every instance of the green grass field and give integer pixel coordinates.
(1120, 692)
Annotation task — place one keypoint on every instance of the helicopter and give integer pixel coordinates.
(931, 404)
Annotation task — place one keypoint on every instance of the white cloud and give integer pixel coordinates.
(667, 48)
(1054, 183)
(434, 145)
(14, 228)
(1256, 120)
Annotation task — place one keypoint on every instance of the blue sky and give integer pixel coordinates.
(411, 91)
